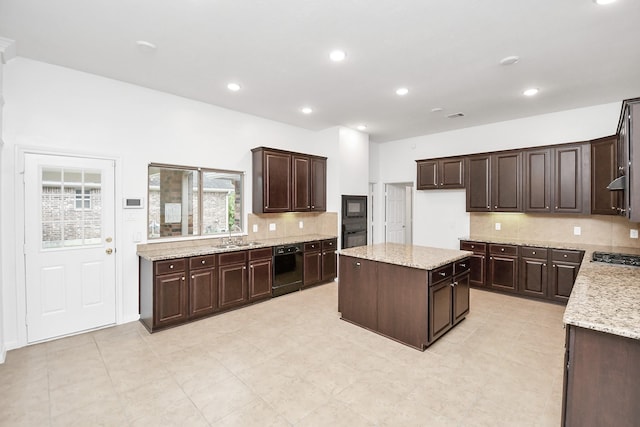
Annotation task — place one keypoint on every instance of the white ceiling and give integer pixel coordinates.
(446, 52)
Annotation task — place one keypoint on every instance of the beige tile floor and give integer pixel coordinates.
(292, 362)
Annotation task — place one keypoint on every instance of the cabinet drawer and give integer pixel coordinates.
(461, 266)
(441, 273)
(170, 266)
(569, 256)
(536, 253)
(312, 246)
(474, 246)
(503, 250)
(260, 253)
(202, 262)
(232, 258)
(329, 244)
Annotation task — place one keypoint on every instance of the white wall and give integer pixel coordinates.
(439, 216)
(57, 109)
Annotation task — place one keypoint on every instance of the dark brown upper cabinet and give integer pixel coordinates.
(557, 179)
(494, 182)
(440, 173)
(284, 181)
(604, 169)
(629, 158)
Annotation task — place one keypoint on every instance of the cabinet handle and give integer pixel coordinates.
(313, 207)
(554, 266)
(251, 266)
(171, 267)
(193, 276)
(546, 207)
(488, 207)
(357, 264)
(490, 257)
(452, 284)
(556, 207)
(473, 246)
(183, 278)
(442, 273)
(463, 265)
(565, 255)
(501, 249)
(244, 268)
(544, 265)
(203, 262)
(495, 207)
(534, 252)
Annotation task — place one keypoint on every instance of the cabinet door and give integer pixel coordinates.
(440, 309)
(170, 299)
(260, 278)
(568, 179)
(533, 277)
(537, 180)
(503, 273)
(460, 297)
(427, 178)
(505, 182)
(329, 265)
(301, 177)
(451, 172)
(478, 184)
(478, 272)
(318, 184)
(563, 276)
(358, 291)
(604, 169)
(277, 182)
(232, 285)
(203, 290)
(312, 268)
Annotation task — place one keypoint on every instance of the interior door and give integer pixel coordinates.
(69, 246)
(396, 213)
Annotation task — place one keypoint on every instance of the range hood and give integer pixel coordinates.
(617, 184)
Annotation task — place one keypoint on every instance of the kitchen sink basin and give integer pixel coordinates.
(237, 245)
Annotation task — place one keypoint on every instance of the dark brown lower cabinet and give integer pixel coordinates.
(203, 292)
(503, 267)
(601, 379)
(260, 278)
(564, 269)
(478, 261)
(320, 262)
(329, 260)
(170, 299)
(533, 271)
(232, 285)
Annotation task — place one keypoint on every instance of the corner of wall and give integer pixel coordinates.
(3, 354)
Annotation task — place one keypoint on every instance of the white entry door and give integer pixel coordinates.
(395, 213)
(69, 245)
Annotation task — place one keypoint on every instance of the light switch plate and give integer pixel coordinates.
(633, 233)
(255, 228)
(272, 226)
(577, 231)
(301, 224)
(498, 226)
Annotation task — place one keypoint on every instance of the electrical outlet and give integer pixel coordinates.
(255, 228)
(577, 231)
(498, 226)
(272, 226)
(633, 233)
(300, 224)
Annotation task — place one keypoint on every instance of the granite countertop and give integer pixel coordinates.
(605, 297)
(188, 248)
(422, 257)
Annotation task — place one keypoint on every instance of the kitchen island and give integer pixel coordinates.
(411, 294)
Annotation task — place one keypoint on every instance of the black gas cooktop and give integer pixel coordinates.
(613, 258)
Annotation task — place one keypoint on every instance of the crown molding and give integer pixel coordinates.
(7, 49)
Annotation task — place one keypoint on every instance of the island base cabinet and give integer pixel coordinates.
(602, 380)
(357, 291)
(440, 309)
(461, 297)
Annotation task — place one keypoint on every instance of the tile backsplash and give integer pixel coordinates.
(594, 229)
(288, 224)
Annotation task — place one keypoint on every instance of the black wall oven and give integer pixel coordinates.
(354, 221)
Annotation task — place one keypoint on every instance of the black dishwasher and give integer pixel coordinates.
(287, 269)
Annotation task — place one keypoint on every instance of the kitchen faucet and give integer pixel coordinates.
(235, 228)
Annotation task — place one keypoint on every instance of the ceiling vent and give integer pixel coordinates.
(455, 115)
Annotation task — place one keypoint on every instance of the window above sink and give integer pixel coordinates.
(191, 201)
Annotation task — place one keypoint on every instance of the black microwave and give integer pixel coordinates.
(354, 206)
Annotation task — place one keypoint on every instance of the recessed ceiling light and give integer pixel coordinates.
(603, 2)
(531, 92)
(361, 127)
(509, 60)
(338, 55)
(402, 91)
(146, 46)
(436, 109)
(234, 87)
(455, 115)
(306, 110)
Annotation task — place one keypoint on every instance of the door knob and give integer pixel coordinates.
(109, 251)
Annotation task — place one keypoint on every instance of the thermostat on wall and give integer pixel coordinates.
(133, 203)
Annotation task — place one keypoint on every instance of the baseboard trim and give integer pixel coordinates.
(3, 354)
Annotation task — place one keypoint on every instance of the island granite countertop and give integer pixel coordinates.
(605, 297)
(422, 257)
(158, 251)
